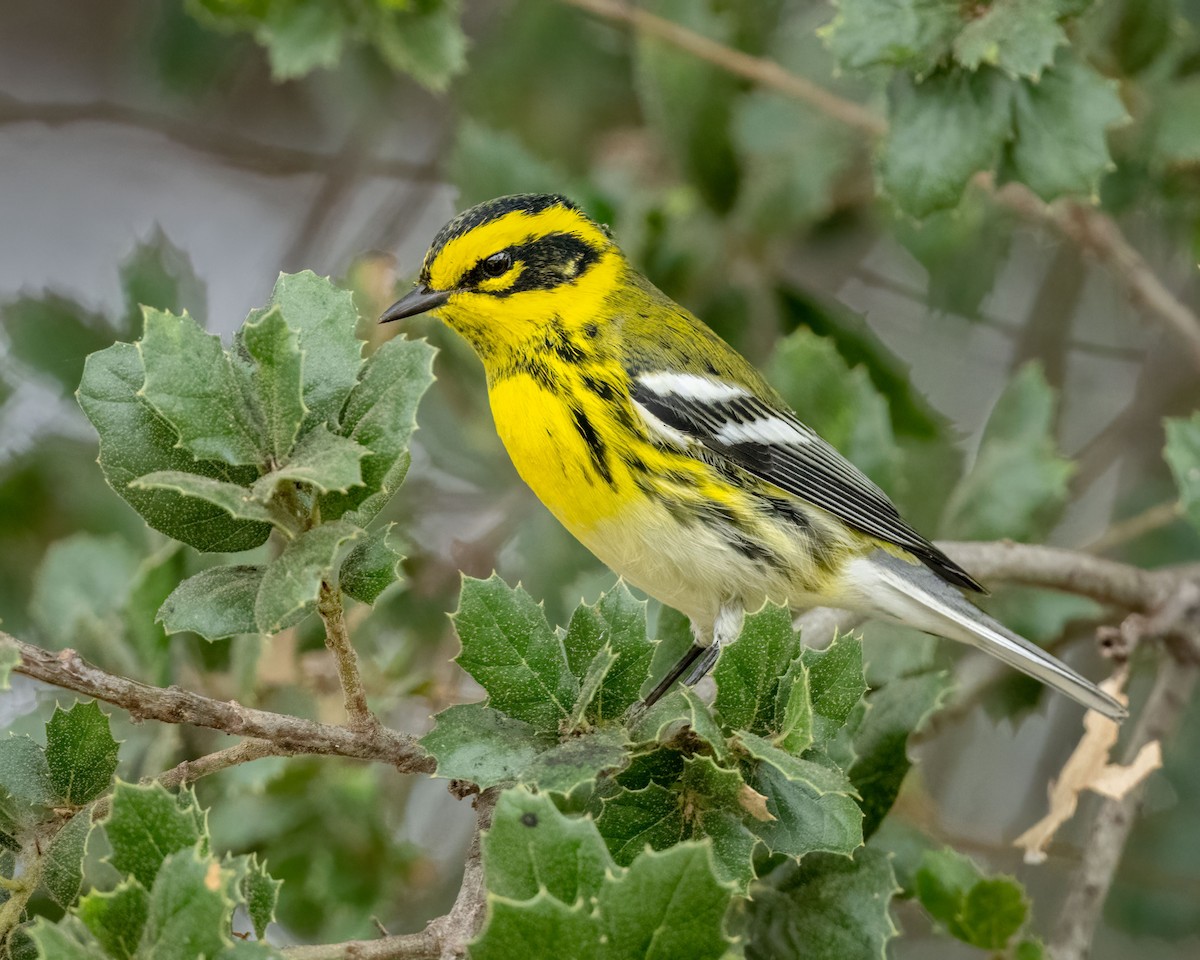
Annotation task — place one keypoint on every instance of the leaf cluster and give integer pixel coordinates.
(289, 430)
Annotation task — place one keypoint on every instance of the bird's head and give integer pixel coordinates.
(499, 271)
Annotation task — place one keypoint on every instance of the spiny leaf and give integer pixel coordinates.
(191, 907)
(215, 603)
(901, 33)
(943, 131)
(195, 386)
(475, 742)
(618, 620)
(291, 582)
(1018, 36)
(276, 379)
(117, 917)
(510, 649)
(371, 566)
(25, 785)
(577, 761)
(836, 684)
(322, 459)
(136, 441)
(748, 672)
(631, 820)
(80, 752)
(62, 871)
(145, 824)
(234, 500)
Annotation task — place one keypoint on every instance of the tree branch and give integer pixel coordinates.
(1084, 225)
(1178, 622)
(173, 705)
(444, 938)
(354, 696)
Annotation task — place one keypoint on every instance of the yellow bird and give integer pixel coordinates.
(669, 456)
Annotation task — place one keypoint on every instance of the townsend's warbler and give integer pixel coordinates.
(668, 455)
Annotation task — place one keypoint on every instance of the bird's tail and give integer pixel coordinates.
(914, 595)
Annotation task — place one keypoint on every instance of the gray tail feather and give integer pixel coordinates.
(916, 596)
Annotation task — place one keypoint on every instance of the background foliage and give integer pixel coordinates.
(977, 364)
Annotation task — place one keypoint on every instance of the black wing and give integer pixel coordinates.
(773, 445)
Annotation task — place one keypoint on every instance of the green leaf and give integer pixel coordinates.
(234, 500)
(62, 871)
(943, 131)
(371, 567)
(813, 805)
(794, 709)
(631, 820)
(381, 415)
(894, 711)
(576, 761)
(1060, 123)
(531, 846)
(1018, 36)
(276, 379)
(589, 687)
(666, 905)
(488, 162)
(713, 798)
(323, 318)
(984, 912)
(537, 929)
(732, 846)
(300, 37)
(292, 581)
(680, 709)
(117, 917)
(900, 33)
(322, 459)
(825, 908)
(1018, 482)
(194, 385)
(159, 274)
(836, 684)
(259, 892)
(145, 824)
(1176, 133)
(25, 786)
(480, 744)
(427, 43)
(191, 906)
(617, 620)
(748, 672)
(135, 441)
(77, 332)
(475, 742)
(510, 649)
(80, 752)
(215, 603)
(1183, 457)
(81, 587)
(55, 942)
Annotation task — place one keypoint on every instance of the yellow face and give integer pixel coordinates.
(501, 271)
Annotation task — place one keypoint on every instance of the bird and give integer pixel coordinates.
(670, 457)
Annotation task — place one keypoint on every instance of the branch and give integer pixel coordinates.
(225, 146)
(444, 938)
(1084, 225)
(354, 696)
(173, 705)
(1178, 620)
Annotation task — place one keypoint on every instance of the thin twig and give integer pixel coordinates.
(444, 938)
(1086, 226)
(354, 695)
(1179, 619)
(174, 705)
(1153, 518)
(766, 73)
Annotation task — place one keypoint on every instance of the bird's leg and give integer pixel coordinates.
(701, 656)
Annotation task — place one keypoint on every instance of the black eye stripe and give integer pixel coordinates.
(546, 262)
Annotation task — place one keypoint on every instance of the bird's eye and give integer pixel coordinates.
(497, 264)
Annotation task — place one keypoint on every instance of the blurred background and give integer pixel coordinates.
(990, 375)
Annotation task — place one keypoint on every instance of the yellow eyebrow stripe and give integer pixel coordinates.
(462, 253)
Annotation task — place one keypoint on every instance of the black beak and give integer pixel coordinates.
(420, 299)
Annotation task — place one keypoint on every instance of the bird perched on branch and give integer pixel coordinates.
(667, 454)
